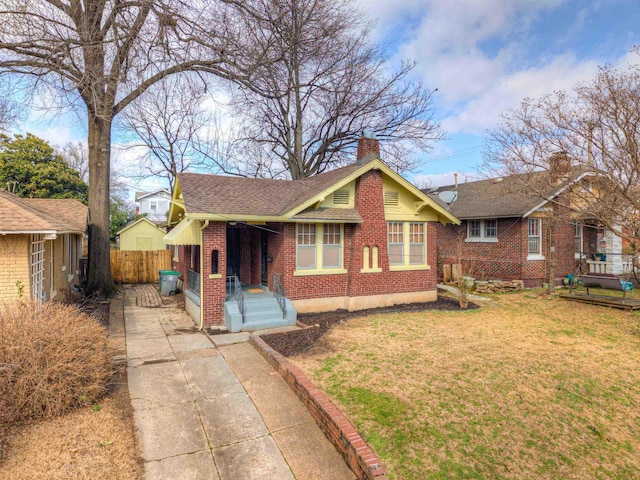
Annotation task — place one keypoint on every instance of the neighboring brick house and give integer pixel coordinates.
(357, 237)
(504, 232)
(154, 204)
(41, 243)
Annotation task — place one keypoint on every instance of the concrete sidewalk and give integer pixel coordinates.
(215, 413)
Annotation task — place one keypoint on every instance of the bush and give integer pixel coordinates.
(53, 358)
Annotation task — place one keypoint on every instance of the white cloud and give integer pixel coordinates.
(483, 111)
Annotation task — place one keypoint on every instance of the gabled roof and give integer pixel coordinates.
(215, 197)
(507, 196)
(140, 195)
(41, 215)
(138, 221)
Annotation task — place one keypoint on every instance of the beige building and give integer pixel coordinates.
(41, 244)
(142, 234)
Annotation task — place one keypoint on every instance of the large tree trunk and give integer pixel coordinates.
(99, 274)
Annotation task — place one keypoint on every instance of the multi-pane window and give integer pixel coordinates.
(475, 229)
(416, 243)
(306, 246)
(406, 243)
(534, 237)
(395, 241)
(153, 205)
(482, 230)
(490, 228)
(578, 239)
(331, 245)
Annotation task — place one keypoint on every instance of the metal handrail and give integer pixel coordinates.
(279, 293)
(234, 287)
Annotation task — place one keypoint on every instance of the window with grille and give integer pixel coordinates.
(474, 229)
(306, 246)
(482, 230)
(331, 245)
(534, 243)
(416, 243)
(490, 228)
(395, 243)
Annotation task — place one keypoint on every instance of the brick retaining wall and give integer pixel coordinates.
(359, 457)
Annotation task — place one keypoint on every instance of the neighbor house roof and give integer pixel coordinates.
(507, 196)
(227, 198)
(41, 215)
(140, 195)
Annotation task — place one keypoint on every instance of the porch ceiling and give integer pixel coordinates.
(187, 232)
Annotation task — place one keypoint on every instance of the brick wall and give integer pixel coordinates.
(507, 258)
(214, 289)
(341, 433)
(14, 266)
(371, 232)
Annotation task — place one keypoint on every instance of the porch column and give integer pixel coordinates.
(213, 274)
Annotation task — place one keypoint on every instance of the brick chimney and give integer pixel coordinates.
(368, 148)
(559, 165)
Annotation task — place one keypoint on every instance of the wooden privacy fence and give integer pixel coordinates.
(132, 266)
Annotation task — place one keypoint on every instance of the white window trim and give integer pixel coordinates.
(319, 269)
(578, 255)
(406, 246)
(535, 256)
(482, 238)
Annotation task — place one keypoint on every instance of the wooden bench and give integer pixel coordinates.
(609, 283)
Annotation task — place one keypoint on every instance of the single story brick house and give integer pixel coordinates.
(503, 233)
(42, 242)
(357, 237)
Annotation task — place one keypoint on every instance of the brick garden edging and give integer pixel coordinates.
(359, 457)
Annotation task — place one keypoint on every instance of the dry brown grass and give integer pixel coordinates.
(89, 443)
(534, 387)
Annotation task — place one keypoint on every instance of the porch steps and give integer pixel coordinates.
(261, 311)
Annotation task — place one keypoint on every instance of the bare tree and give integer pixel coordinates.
(594, 128)
(174, 131)
(308, 109)
(77, 156)
(104, 54)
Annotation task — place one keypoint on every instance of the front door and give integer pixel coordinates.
(264, 277)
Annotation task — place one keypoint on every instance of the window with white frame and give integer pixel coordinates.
(331, 245)
(306, 246)
(395, 243)
(578, 240)
(535, 239)
(153, 205)
(416, 243)
(319, 247)
(406, 244)
(482, 230)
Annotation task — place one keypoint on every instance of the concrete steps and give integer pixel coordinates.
(261, 311)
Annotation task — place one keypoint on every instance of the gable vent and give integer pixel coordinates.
(341, 197)
(391, 198)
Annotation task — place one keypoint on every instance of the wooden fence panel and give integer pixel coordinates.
(132, 266)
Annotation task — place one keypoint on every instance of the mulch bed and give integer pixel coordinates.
(296, 342)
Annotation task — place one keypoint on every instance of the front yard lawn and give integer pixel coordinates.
(533, 387)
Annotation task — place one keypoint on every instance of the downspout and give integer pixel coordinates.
(202, 229)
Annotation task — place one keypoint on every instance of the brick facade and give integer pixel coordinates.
(507, 258)
(281, 248)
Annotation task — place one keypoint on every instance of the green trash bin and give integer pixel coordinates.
(168, 282)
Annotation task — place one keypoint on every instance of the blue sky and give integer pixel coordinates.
(484, 56)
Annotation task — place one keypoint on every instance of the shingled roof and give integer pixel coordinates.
(224, 195)
(506, 196)
(38, 215)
